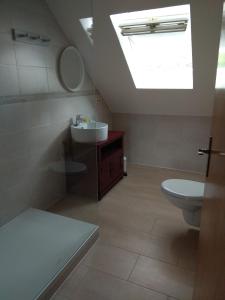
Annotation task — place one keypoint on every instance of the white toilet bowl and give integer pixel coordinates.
(187, 195)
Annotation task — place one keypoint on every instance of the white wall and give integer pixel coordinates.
(112, 76)
(165, 141)
(68, 14)
(25, 68)
(163, 127)
(107, 66)
(35, 111)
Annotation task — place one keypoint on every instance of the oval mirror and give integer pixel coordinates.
(71, 68)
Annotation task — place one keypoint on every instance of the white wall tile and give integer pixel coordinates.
(29, 21)
(54, 81)
(37, 6)
(32, 16)
(40, 113)
(33, 80)
(39, 140)
(30, 55)
(8, 80)
(14, 117)
(13, 171)
(7, 53)
(31, 134)
(5, 18)
(164, 141)
(61, 110)
(47, 188)
(53, 55)
(102, 112)
(83, 105)
(14, 145)
(13, 205)
(56, 34)
(87, 84)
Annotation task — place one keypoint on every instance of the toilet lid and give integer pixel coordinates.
(184, 188)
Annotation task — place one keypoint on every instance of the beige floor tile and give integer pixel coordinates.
(136, 218)
(112, 260)
(167, 227)
(164, 278)
(145, 205)
(70, 285)
(101, 286)
(170, 228)
(188, 259)
(141, 243)
(82, 209)
(115, 216)
(133, 197)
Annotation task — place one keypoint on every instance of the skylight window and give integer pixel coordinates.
(157, 46)
(88, 26)
(221, 59)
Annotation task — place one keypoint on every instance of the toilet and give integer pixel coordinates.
(187, 195)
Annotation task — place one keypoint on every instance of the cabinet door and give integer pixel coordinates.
(116, 164)
(104, 174)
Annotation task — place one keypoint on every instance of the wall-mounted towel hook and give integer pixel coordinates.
(30, 37)
(34, 37)
(22, 35)
(45, 39)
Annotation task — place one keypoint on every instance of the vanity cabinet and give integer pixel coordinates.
(110, 162)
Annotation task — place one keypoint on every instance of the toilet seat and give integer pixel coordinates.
(184, 189)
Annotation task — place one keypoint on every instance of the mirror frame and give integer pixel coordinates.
(64, 83)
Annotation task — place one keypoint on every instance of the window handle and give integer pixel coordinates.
(203, 151)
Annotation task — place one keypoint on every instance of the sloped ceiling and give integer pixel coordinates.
(107, 66)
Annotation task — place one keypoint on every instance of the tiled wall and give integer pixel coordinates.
(33, 127)
(26, 68)
(31, 136)
(165, 141)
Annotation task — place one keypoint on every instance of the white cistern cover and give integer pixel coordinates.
(184, 188)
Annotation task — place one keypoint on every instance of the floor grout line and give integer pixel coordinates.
(151, 289)
(133, 267)
(129, 281)
(160, 240)
(141, 254)
(107, 243)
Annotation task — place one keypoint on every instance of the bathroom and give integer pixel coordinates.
(132, 241)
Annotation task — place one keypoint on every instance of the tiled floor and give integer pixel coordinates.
(145, 250)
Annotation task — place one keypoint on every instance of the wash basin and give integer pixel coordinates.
(92, 132)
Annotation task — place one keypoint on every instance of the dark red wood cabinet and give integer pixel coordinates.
(110, 162)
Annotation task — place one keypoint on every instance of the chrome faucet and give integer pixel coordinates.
(79, 120)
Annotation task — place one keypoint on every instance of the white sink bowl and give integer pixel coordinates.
(92, 132)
